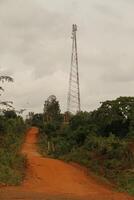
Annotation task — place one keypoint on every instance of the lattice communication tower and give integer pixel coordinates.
(73, 100)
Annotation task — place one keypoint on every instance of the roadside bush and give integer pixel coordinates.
(12, 163)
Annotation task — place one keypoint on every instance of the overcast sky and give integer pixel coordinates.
(35, 49)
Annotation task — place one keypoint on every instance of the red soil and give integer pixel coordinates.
(50, 179)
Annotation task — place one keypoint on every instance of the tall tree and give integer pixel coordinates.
(115, 116)
(52, 109)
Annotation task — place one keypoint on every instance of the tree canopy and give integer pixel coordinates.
(115, 116)
(52, 109)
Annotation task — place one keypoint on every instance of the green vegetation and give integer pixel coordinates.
(12, 128)
(12, 163)
(102, 140)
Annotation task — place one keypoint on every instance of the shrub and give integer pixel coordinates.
(12, 164)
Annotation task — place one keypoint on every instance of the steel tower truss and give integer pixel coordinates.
(73, 101)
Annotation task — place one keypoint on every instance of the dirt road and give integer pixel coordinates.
(49, 179)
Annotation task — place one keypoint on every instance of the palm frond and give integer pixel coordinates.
(1, 88)
(6, 79)
(20, 111)
(7, 104)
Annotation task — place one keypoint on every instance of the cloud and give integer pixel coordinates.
(36, 49)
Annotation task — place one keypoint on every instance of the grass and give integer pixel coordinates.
(124, 180)
(42, 145)
(12, 163)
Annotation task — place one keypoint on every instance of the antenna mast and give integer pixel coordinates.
(73, 100)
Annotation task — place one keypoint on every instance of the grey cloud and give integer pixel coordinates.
(118, 74)
(33, 35)
(107, 10)
(35, 48)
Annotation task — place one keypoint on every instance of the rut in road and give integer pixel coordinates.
(50, 179)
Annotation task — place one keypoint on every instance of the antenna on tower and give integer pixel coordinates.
(73, 100)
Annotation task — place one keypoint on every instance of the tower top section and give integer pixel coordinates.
(74, 30)
(74, 27)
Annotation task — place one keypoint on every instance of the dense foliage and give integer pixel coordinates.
(115, 117)
(12, 164)
(102, 140)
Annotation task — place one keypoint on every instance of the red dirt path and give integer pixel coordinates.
(50, 179)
